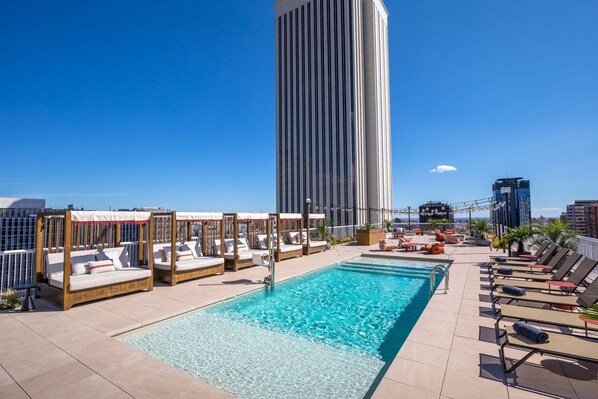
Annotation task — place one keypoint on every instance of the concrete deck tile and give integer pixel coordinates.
(389, 389)
(12, 391)
(415, 374)
(459, 386)
(424, 353)
(423, 336)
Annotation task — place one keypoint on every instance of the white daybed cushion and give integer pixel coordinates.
(313, 244)
(97, 280)
(246, 254)
(55, 261)
(79, 268)
(199, 263)
(114, 256)
(261, 238)
(290, 248)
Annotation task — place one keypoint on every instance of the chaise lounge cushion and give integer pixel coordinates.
(86, 281)
(245, 254)
(291, 248)
(198, 263)
(314, 244)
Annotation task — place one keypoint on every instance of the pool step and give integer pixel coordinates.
(423, 270)
(389, 271)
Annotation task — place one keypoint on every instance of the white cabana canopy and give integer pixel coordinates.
(252, 216)
(109, 217)
(198, 216)
(290, 216)
(317, 216)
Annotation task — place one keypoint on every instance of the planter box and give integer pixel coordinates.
(370, 237)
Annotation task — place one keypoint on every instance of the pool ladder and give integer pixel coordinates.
(443, 269)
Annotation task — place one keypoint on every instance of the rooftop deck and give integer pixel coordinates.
(451, 352)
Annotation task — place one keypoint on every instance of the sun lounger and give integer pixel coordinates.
(526, 258)
(577, 277)
(544, 316)
(588, 297)
(560, 274)
(567, 346)
(542, 260)
(526, 266)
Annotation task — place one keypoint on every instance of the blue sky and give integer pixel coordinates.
(130, 103)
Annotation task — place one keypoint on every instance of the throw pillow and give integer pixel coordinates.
(100, 266)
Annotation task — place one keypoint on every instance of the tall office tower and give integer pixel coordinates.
(332, 109)
(520, 206)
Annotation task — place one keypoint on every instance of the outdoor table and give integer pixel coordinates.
(410, 246)
(587, 321)
(28, 304)
(569, 287)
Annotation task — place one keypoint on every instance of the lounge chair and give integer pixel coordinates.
(544, 316)
(451, 239)
(283, 251)
(571, 284)
(549, 267)
(561, 345)
(560, 274)
(434, 249)
(528, 258)
(525, 266)
(588, 297)
(186, 267)
(244, 256)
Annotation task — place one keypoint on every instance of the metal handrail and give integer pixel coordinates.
(445, 270)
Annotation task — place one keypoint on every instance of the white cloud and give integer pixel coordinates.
(443, 168)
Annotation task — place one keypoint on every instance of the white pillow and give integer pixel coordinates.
(113, 256)
(192, 246)
(100, 266)
(79, 268)
(230, 245)
(294, 237)
(217, 247)
(167, 253)
(262, 241)
(184, 255)
(242, 245)
(82, 258)
(304, 235)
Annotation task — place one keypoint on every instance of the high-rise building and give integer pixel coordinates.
(332, 109)
(519, 205)
(580, 215)
(17, 222)
(17, 240)
(592, 220)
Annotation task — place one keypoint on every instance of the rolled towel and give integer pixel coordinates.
(500, 260)
(511, 289)
(505, 270)
(530, 332)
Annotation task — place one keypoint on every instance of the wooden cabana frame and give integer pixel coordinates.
(177, 228)
(308, 248)
(69, 233)
(256, 223)
(283, 223)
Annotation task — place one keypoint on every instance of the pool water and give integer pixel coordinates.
(328, 334)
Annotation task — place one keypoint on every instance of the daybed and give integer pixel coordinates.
(312, 246)
(190, 261)
(291, 226)
(239, 253)
(93, 264)
(240, 257)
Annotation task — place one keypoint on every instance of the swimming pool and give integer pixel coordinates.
(328, 334)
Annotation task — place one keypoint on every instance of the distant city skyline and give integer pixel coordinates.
(172, 104)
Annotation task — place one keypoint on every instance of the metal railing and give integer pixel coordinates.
(16, 268)
(588, 247)
(444, 269)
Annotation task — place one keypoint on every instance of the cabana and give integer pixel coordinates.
(239, 251)
(289, 229)
(81, 257)
(311, 246)
(193, 256)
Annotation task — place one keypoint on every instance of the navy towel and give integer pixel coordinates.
(511, 289)
(500, 260)
(530, 332)
(505, 270)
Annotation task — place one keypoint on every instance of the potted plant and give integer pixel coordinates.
(11, 300)
(368, 235)
(388, 225)
(325, 234)
(557, 233)
(519, 235)
(479, 229)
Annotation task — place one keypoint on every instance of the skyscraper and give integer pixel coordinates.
(332, 109)
(519, 205)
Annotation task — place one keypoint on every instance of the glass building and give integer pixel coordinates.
(520, 205)
(333, 109)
